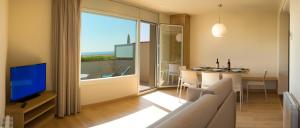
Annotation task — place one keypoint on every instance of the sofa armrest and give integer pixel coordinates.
(226, 114)
(194, 93)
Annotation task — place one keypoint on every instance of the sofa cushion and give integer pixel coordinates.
(194, 93)
(170, 114)
(196, 115)
(221, 89)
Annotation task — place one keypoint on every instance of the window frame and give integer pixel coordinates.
(94, 80)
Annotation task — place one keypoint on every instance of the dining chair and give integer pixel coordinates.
(209, 78)
(173, 72)
(189, 79)
(181, 68)
(236, 84)
(258, 83)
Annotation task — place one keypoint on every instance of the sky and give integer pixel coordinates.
(99, 33)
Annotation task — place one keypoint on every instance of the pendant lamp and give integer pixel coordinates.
(219, 29)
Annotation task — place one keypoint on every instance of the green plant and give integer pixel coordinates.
(96, 58)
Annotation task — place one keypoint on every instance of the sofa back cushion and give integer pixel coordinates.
(221, 89)
(196, 115)
(194, 93)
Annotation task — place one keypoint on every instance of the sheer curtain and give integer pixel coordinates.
(66, 56)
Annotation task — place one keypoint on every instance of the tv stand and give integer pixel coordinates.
(33, 109)
(24, 100)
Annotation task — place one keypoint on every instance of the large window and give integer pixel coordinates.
(107, 46)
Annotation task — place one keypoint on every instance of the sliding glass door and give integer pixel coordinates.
(148, 45)
(170, 55)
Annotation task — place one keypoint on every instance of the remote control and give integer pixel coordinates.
(23, 105)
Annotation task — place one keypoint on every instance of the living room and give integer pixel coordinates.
(109, 62)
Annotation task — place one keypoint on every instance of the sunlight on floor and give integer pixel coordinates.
(164, 100)
(149, 115)
(140, 119)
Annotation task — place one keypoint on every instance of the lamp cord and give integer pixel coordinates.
(220, 5)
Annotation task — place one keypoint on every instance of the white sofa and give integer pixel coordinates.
(211, 108)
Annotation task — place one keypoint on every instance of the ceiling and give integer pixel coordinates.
(196, 7)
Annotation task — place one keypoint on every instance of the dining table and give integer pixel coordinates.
(242, 71)
(221, 70)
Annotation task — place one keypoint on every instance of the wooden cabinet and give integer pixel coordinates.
(35, 108)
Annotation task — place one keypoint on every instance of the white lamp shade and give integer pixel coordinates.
(179, 37)
(219, 30)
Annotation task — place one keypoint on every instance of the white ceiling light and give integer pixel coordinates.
(219, 29)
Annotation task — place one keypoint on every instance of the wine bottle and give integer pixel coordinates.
(228, 64)
(217, 63)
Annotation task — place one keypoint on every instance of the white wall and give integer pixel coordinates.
(29, 35)
(294, 86)
(3, 52)
(96, 91)
(251, 41)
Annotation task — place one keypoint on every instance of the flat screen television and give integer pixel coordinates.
(27, 81)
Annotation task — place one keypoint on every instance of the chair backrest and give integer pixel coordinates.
(174, 68)
(189, 77)
(182, 68)
(209, 78)
(236, 80)
(265, 75)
